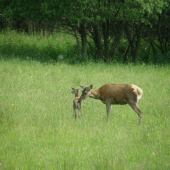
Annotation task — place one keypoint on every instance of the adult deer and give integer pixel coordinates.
(111, 94)
(76, 102)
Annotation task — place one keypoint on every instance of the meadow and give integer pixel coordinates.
(37, 127)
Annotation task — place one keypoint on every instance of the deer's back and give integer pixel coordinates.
(117, 93)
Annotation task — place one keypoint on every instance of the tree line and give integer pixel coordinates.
(126, 30)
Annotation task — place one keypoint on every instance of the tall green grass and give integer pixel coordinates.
(53, 48)
(38, 131)
(37, 127)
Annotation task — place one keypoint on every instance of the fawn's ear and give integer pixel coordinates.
(74, 91)
(82, 86)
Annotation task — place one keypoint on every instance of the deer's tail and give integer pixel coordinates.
(137, 90)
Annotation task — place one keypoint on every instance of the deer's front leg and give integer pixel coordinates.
(80, 110)
(108, 109)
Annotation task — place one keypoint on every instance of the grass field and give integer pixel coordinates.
(38, 131)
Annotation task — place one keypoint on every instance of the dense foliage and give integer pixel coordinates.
(122, 30)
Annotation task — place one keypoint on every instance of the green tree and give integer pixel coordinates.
(107, 28)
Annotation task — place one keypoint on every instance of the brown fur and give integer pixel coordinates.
(111, 94)
(76, 102)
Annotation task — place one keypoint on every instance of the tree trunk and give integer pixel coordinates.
(98, 41)
(77, 40)
(160, 40)
(138, 43)
(151, 41)
(130, 38)
(1, 23)
(125, 56)
(83, 38)
(106, 40)
(117, 39)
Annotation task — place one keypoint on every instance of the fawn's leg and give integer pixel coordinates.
(74, 112)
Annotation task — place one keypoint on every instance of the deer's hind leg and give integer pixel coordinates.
(135, 107)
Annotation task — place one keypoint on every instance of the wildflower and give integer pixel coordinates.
(153, 153)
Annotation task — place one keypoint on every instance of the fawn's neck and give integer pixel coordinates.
(76, 94)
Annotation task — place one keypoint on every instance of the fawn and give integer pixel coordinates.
(76, 102)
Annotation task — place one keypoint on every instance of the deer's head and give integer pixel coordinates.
(86, 92)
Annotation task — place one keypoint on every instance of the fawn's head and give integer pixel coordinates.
(75, 91)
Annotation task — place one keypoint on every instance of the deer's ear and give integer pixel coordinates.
(73, 88)
(90, 87)
(82, 86)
